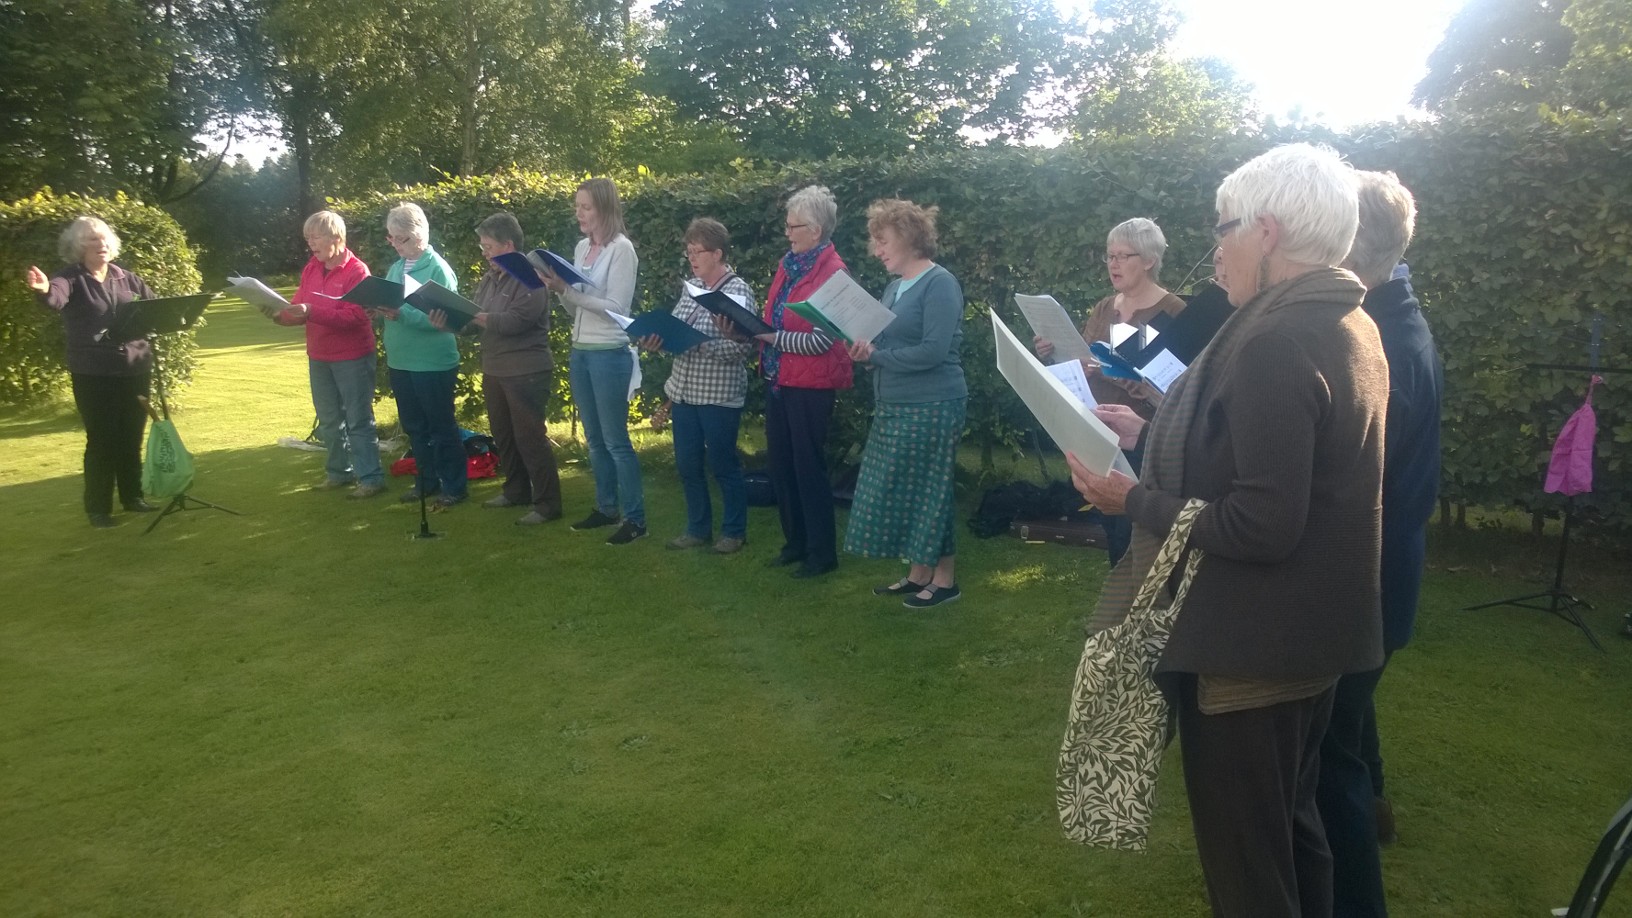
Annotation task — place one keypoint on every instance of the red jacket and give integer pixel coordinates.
(335, 330)
(828, 370)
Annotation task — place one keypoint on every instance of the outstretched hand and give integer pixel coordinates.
(37, 281)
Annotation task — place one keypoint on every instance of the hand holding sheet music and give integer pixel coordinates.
(270, 302)
(1049, 321)
(840, 306)
(1066, 419)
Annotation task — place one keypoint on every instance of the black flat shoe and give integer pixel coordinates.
(784, 558)
(101, 520)
(937, 596)
(897, 588)
(814, 570)
(140, 506)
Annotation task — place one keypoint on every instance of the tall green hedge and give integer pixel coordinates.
(1522, 232)
(32, 371)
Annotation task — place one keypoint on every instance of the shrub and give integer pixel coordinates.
(154, 247)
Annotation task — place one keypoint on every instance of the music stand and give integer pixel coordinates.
(1562, 602)
(149, 319)
(1611, 855)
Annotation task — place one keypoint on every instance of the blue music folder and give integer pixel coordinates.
(517, 266)
(678, 337)
(544, 258)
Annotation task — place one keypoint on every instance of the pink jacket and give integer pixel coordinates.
(335, 330)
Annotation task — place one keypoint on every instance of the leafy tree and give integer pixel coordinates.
(1599, 73)
(806, 79)
(1164, 96)
(1498, 54)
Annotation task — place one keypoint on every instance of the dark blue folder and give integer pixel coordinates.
(678, 337)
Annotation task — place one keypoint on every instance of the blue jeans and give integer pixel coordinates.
(710, 430)
(425, 408)
(343, 396)
(600, 390)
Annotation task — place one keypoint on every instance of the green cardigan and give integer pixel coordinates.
(916, 358)
(411, 342)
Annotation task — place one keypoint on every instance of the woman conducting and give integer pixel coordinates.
(424, 361)
(904, 502)
(803, 367)
(108, 376)
(602, 366)
(340, 356)
(1278, 426)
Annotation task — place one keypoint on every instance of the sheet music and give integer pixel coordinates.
(694, 291)
(1068, 421)
(1076, 381)
(259, 295)
(851, 308)
(1049, 321)
(1163, 369)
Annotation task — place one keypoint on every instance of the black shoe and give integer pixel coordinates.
(937, 595)
(101, 520)
(1383, 811)
(140, 506)
(595, 520)
(814, 570)
(785, 557)
(626, 533)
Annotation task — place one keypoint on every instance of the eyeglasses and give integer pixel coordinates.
(798, 226)
(395, 239)
(1225, 228)
(1116, 258)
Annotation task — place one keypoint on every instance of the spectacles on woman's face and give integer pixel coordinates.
(1225, 228)
(394, 239)
(797, 226)
(1117, 258)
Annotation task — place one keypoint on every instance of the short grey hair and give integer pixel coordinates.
(1144, 237)
(502, 227)
(326, 222)
(407, 219)
(76, 238)
(1311, 193)
(1388, 218)
(816, 204)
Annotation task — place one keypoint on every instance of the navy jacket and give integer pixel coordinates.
(1416, 383)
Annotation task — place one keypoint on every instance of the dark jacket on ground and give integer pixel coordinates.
(1416, 382)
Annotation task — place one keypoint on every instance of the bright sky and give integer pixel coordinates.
(1342, 63)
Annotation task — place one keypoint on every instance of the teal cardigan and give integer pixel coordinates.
(411, 342)
(916, 358)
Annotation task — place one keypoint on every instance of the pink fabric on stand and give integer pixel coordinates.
(1570, 470)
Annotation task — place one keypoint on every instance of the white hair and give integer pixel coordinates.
(1144, 237)
(408, 220)
(76, 238)
(1388, 217)
(1311, 193)
(815, 203)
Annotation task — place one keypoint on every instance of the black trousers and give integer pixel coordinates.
(1346, 799)
(114, 425)
(1251, 777)
(796, 423)
(515, 413)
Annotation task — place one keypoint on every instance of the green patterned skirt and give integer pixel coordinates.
(903, 506)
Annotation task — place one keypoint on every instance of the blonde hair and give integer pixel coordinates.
(77, 236)
(913, 225)
(603, 196)
(327, 222)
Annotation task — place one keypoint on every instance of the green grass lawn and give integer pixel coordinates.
(301, 711)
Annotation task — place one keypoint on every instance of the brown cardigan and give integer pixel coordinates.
(1098, 328)
(1287, 448)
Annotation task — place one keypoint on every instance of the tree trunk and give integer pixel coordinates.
(473, 91)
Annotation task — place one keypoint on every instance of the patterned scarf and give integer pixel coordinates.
(1163, 468)
(795, 265)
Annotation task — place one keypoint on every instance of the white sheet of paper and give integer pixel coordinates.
(1076, 381)
(259, 295)
(1049, 321)
(851, 308)
(1122, 331)
(618, 317)
(409, 284)
(1163, 369)
(694, 291)
(1068, 421)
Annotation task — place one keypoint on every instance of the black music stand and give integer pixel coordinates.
(1612, 854)
(149, 319)
(1562, 602)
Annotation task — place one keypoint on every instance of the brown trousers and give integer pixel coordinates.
(515, 413)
